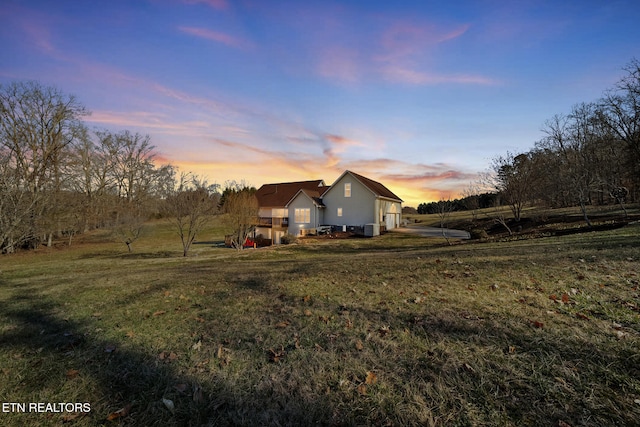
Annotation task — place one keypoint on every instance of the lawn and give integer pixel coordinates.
(392, 330)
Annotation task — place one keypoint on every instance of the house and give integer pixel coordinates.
(356, 201)
(277, 208)
(351, 202)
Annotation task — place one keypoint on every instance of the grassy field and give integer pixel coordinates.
(393, 330)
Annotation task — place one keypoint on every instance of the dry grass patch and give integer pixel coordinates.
(388, 331)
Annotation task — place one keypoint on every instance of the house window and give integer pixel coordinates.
(303, 216)
(347, 189)
(279, 213)
(339, 211)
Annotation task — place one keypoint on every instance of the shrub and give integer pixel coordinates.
(287, 239)
(478, 233)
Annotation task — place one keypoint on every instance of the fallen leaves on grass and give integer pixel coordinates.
(362, 389)
(72, 373)
(159, 313)
(371, 379)
(110, 348)
(67, 418)
(167, 356)
(276, 356)
(121, 413)
(537, 324)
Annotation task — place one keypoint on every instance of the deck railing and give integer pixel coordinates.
(273, 222)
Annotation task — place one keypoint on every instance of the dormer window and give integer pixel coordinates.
(347, 189)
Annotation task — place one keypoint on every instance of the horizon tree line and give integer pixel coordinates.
(58, 178)
(588, 156)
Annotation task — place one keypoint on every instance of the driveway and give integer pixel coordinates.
(434, 232)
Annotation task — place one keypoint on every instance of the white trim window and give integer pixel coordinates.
(302, 216)
(347, 189)
(339, 211)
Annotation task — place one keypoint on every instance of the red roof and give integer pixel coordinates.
(279, 195)
(377, 188)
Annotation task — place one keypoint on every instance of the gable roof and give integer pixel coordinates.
(314, 195)
(375, 187)
(279, 195)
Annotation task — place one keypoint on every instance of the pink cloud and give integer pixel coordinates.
(341, 140)
(147, 120)
(404, 39)
(215, 4)
(39, 36)
(217, 36)
(339, 63)
(399, 74)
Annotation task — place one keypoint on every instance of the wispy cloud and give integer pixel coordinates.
(215, 4)
(400, 51)
(155, 122)
(217, 36)
(339, 63)
(407, 75)
(406, 54)
(405, 38)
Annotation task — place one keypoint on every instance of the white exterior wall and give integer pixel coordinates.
(302, 201)
(390, 213)
(357, 210)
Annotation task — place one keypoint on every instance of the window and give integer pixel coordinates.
(347, 189)
(303, 216)
(279, 213)
(339, 211)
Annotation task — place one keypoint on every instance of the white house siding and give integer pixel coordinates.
(357, 210)
(390, 213)
(302, 201)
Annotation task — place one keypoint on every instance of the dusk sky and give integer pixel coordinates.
(418, 95)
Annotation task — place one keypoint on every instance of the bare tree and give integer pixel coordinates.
(240, 207)
(190, 208)
(472, 199)
(574, 144)
(513, 176)
(36, 124)
(445, 207)
(497, 214)
(621, 115)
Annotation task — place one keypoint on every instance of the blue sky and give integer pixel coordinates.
(419, 95)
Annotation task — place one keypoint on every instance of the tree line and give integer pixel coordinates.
(58, 178)
(588, 156)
